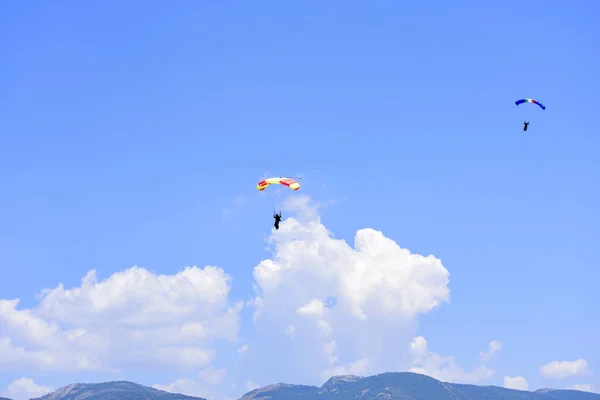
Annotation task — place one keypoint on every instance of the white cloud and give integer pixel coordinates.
(132, 318)
(443, 368)
(209, 387)
(322, 307)
(213, 376)
(315, 308)
(584, 387)
(189, 387)
(494, 347)
(25, 388)
(564, 369)
(322, 291)
(358, 368)
(290, 330)
(517, 382)
(377, 277)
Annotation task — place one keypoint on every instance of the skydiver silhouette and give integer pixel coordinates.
(525, 125)
(277, 219)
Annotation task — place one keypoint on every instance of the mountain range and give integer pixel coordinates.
(387, 386)
(405, 386)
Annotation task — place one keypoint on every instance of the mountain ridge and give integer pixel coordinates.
(113, 390)
(405, 386)
(385, 386)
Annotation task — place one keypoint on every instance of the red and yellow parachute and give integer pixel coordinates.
(289, 182)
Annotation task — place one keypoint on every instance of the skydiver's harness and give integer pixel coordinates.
(277, 220)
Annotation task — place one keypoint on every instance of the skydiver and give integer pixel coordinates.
(277, 219)
(525, 125)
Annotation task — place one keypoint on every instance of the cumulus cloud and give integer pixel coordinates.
(321, 307)
(443, 368)
(314, 307)
(375, 278)
(132, 318)
(517, 382)
(565, 369)
(24, 388)
(349, 309)
(494, 347)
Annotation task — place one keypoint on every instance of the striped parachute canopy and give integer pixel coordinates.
(526, 100)
(289, 182)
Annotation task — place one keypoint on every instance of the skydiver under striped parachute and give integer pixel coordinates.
(532, 101)
(277, 219)
(289, 182)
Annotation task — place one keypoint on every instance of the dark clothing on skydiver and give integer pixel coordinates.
(525, 125)
(277, 219)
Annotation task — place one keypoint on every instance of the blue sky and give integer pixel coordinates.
(134, 133)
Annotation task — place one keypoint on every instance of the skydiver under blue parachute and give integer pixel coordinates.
(532, 101)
